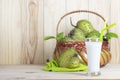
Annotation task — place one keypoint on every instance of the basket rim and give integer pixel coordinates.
(78, 11)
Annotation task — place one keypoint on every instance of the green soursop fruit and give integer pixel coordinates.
(93, 34)
(85, 26)
(74, 62)
(64, 59)
(77, 34)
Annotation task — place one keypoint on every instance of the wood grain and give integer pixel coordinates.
(32, 41)
(72, 6)
(52, 14)
(103, 8)
(115, 43)
(10, 32)
(24, 24)
(21, 32)
(34, 72)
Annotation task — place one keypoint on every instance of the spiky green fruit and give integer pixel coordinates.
(77, 34)
(74, 62)
(93, 34)
(85, 26)
(64, 59)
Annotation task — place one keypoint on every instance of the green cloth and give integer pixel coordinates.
(53, 66)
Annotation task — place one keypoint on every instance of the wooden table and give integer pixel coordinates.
(34, 72)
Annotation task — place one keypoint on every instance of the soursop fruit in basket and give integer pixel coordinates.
(82, 30)
(93, 34)
(74, 62)
(85, 26)
(69, 59)
(77, 34)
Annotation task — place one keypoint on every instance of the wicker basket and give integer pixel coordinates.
(80, 46)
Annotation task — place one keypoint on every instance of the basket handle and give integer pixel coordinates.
(78, 11)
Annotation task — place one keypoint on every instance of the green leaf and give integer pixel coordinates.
(49, 37)
(110, 35)
(60, 36)
(106, 28)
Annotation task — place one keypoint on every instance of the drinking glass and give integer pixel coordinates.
(93, 48)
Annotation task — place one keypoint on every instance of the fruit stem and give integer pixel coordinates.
(72, 23)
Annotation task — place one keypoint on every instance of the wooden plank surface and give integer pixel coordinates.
(103, 8)
(24, 24)
(52, 14)
(32, 31)
(34, 72)
(10, 32)
(74, 5)
(21, 31)
(115, 43)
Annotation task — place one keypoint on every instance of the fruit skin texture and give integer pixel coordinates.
(93, 34)
(77, 35)
(74, 62)
(67, 59)
(85, 26)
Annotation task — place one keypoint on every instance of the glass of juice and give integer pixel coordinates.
(93, 48)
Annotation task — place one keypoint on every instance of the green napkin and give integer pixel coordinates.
(53, 66)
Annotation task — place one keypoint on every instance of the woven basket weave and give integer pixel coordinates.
(80, 46)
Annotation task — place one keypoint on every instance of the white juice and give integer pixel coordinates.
(93, 56)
